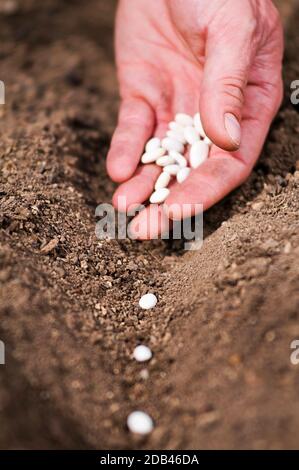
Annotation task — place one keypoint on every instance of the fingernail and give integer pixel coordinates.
(233, 128)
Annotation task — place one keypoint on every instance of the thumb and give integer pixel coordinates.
(229, 55)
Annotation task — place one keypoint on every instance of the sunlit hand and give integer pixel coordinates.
(222, 57)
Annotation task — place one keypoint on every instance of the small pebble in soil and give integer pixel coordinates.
(142, 353)
(139, 422)
(148, 301)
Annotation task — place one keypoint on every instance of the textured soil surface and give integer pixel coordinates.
(221, 375)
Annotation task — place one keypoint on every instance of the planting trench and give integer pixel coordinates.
(221, 374)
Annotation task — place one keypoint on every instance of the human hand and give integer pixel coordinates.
(222, 57)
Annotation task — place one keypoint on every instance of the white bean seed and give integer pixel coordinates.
(182, 175)
(166, 160)
(153, 144)
(198, 125)
(159, 196)
(198, 153)
(171, 169)
(142, 353)
(191, 135)
(148, 301)
(140, 423)
(174, 126)
(178, 158)
(177, 135)
(184, 119)
(172, 144)
(163, 181)
(150, 157)
(208, 141)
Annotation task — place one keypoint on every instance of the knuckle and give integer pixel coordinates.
(233, 88)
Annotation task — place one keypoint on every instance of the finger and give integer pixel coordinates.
(229, 54)
(224, 171)
(150, 223)
(138, 189)
(135, 127)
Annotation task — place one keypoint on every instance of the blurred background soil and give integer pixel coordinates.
(221, 375)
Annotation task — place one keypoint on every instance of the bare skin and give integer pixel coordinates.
(221, 57)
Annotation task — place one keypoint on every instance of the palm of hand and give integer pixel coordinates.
(161, 72)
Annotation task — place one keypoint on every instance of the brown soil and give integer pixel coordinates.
(221, 376)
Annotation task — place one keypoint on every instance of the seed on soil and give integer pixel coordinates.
(142, 353)
(151, 157)
(148, 301)
(184, 119)
(171, 169)
(172, 144)
(159, 196)
(198, 154)
(166, 160)
(153, 144)
(139, 422)
(191, 135)
(182, 175)
(178, 158)
(163, 181)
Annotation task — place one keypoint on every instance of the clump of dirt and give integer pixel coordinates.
(69, 303)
